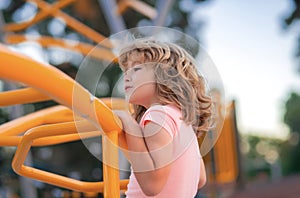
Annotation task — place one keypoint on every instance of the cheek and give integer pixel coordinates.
(143, 79)
(142, 93)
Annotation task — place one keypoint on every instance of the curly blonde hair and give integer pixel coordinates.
(177, 81)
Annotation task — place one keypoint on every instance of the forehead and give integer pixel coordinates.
(131, 58)
(135, 56)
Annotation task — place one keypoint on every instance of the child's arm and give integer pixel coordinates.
(202, 180)
(149, 149)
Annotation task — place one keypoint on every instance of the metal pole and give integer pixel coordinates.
(115, 22)
(111, 174)
(163, 7)
(1, 27)
(241, 176)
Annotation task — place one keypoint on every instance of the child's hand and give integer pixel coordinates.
(130, 125)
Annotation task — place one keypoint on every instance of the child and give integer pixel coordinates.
(171, 109)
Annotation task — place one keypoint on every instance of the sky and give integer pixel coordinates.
(255, 58)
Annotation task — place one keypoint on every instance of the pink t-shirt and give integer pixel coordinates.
(185, 171)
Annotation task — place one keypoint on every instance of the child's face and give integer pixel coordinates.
(140, 86)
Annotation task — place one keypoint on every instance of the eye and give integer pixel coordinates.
(136, 69)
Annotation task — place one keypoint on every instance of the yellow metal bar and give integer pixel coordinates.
(138, 6)
(115, 103)
(75, 24)
(51, 178)
(122, 7)
(64, 138)
(123, 184)
(50, 115)
(15, 140)
(21, 96)
(226, 148)
(10, 131)
(84, 48)
(38, 17)
(48, 78)
(111, 177)
(30, 95)
(111, 185)
(10, 140)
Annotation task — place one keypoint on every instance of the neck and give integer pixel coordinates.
(155, 101)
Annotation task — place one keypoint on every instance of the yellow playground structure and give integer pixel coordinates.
(59, 124)
(55, 125)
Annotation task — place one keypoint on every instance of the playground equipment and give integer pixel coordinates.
(56, 125)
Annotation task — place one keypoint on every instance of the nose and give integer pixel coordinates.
(127, 77)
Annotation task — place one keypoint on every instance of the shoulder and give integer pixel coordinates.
(167, 116)
(162, 112)
(170, 110)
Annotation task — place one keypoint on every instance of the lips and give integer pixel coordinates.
(127, 88)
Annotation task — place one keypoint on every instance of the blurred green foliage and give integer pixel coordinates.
(261, 153)
(291, 21)
(291, 150)
(292, 113)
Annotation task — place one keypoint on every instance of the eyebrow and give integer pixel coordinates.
(135, 63)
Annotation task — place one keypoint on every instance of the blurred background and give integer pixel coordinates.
(255, 45)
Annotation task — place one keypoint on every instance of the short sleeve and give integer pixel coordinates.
(161, 117)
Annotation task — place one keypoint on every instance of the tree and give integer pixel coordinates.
(290, 21)
(291, 151)
(292, 114)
